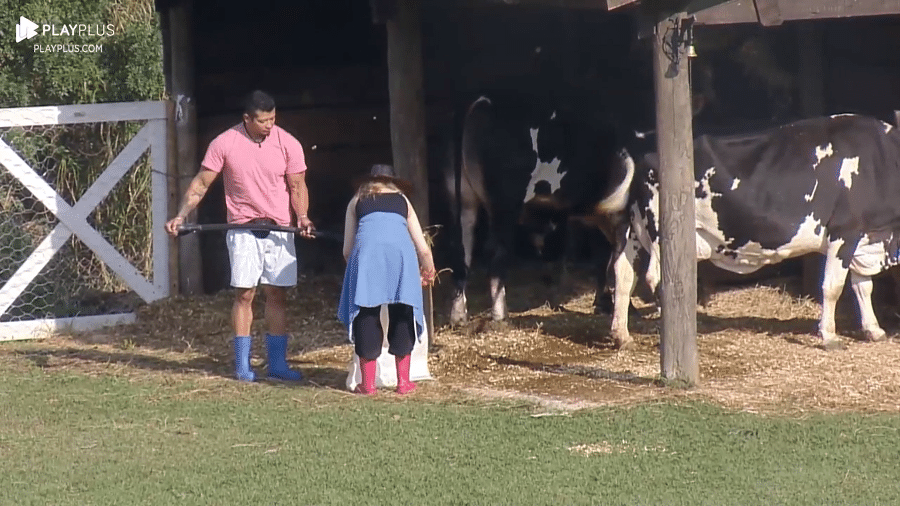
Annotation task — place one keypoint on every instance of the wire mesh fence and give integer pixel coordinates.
(75, 281)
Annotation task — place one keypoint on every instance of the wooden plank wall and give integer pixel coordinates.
(340, 111)
(340, 144)
(863, 66)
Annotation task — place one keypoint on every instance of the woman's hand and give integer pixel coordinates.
(426, 269)
(428, 276)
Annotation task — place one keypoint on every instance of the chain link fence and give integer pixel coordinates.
(75, 282)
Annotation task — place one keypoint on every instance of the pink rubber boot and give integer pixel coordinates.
(404, 386)
(367, 386)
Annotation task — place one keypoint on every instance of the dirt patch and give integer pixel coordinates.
(757, 350)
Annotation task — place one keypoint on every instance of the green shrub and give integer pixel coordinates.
(71, 157)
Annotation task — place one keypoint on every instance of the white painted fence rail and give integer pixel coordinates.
(73, 219)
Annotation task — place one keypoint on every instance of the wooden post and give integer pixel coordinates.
(895, 271)
(812, 103)
(678, 289)
(180, 52)
(408, 135)
(174, 196)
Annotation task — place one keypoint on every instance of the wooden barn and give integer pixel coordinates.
(366, 81)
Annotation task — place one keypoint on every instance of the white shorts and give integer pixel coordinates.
(270, 261)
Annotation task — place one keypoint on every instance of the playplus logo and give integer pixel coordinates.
(25, 29)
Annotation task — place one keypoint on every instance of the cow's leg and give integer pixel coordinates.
(833, 280)
(458, 305)
(604, 246)
(499, 310)
(624, 268)
(468, 218)
(654, 276)
(559, 269)
(603, 296)
(654, 271)
(497, 272)
(862, 288)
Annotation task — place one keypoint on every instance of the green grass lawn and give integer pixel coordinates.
(72, 439)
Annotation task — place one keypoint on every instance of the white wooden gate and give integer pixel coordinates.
(72, 218)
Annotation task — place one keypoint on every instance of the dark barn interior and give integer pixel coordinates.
(325, 63)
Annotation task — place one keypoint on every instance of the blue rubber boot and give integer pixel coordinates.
(276, 346)
(242, 370)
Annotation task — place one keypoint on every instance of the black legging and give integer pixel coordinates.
(368, 332)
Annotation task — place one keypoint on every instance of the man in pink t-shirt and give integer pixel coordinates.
(264, 173)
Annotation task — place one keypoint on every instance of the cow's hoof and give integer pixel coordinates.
(495, 326)
(458, 319)
(626, 344)
(499, 315)
(875, 335)
(832, 345)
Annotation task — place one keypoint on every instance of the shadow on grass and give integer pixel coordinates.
(578, 370)
(206, 366)
(594, 330)
(202, 324)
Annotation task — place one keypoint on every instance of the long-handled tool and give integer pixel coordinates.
(189, 228)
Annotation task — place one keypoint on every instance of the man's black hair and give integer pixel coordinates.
(258, 101)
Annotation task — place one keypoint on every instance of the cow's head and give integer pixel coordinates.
(541, 220)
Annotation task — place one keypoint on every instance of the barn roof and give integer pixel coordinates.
(707, 12)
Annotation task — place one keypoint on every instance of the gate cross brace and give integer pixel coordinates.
(73, 219)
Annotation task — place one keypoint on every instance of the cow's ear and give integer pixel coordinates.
(652, 159)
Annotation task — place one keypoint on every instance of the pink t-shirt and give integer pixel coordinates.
(254, 173)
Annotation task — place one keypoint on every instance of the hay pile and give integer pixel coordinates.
(757, 350)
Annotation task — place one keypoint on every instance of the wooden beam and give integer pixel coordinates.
(383, 10)
(810, 51)
(563, 4)
(811, 64)
(768, 12)
(566, 4)
(746, 11)
(652, 13)
(408, 128)
(180, 50)
(615, 4)
(895, 270)
(678, 288)
(405, 85)
(736, 11)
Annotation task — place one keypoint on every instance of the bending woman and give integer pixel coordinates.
(388, 262)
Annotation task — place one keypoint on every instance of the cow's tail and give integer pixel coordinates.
(623, 172)
(462, 181)
(453, 170)
(476, 126)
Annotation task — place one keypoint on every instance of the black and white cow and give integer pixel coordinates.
(525, 165)
(829, 185)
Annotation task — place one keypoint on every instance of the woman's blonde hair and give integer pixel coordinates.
(381, 179)
(372, 187)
